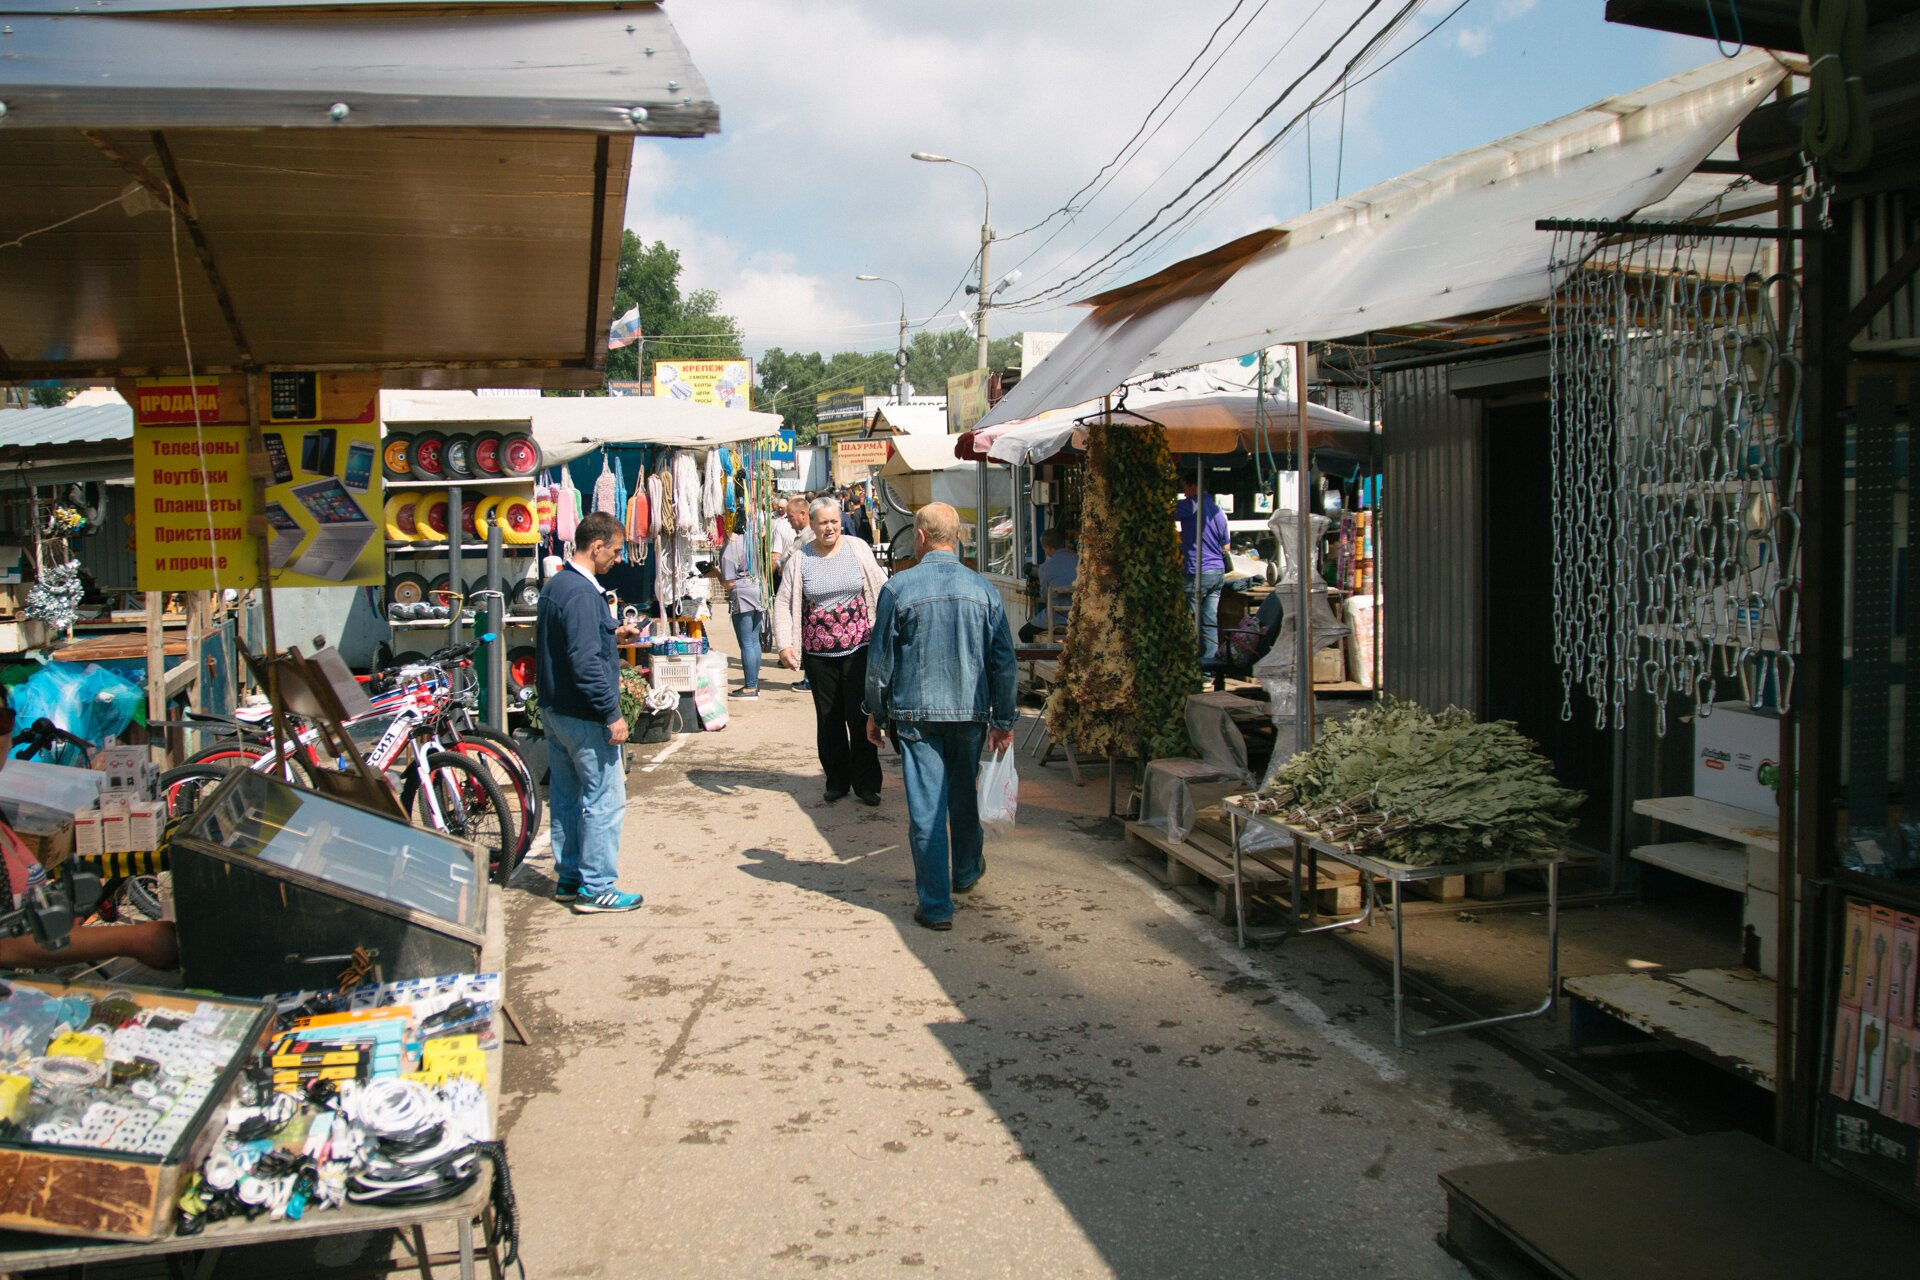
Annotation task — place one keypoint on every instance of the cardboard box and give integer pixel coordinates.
(1853, 943)
(146, 819)
(1736, 758)
(49, 841)
(1876, 963)
(127, 771)
(87, 839)
(1329, 665)
(113, 830)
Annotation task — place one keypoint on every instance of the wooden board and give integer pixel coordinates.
(1742, 826)
(1200, 869)
(1721, 1205)
(114, 648)
(1698, 1011)
(1720, 865)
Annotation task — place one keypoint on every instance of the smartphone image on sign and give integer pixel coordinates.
(317, 452)
(359, 466)
(277, 458)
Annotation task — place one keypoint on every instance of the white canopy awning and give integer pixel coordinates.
(568, 426)
(923, 453)
(1453, 238)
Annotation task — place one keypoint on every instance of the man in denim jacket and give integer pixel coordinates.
(941, 675)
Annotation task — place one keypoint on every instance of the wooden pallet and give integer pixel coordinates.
(1490, 884)
(1200, 869)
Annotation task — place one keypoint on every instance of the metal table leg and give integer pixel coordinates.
(1544, 1009)
(466, 1248)
(1239, 896)
(1399, 964)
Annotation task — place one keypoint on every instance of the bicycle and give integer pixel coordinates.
(52, 745)
(448, 790)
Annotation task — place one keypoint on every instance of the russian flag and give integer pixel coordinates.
(625, 330)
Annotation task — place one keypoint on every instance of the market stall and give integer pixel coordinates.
(211, 217)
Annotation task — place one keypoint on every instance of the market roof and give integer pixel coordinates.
(923, 453)
(910, 420)
(66, 425)
(1455, 238)
(431, 189)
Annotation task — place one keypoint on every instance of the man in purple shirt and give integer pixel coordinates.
(1205, 556)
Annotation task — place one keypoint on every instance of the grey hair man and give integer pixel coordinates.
(941, 675)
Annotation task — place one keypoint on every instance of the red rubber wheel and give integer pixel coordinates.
(486, 453)
(519, 455)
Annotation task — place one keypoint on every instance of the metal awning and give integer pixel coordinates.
(431, 189)
(1454, 238)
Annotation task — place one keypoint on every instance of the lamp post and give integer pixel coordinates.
(986, 244)
(900, 356)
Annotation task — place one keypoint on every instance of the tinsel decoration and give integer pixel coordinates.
(55, 598)
(1130, 659)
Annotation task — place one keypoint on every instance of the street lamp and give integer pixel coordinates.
(900, 357)
(986, 243)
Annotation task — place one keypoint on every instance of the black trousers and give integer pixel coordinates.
(839, 684)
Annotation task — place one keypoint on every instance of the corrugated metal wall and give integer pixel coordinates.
(1432, 540)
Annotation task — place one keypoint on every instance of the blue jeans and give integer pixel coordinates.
(1210, 583)
(746, 629)
(588, 800)
(940, 763)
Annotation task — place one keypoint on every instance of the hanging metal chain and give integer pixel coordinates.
(1676, 459)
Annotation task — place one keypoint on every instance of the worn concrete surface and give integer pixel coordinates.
(769, 1070)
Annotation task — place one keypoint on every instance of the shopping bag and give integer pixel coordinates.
(710, 700)
(999, 792)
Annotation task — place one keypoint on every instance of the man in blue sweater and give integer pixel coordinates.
(579, 681)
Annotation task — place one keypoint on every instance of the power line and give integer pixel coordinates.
(1107, 262)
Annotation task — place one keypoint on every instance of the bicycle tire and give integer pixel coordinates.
(242, 755)
(483, 817)
(522, 771)
(521, 802)
(184, 786)
(135, 893)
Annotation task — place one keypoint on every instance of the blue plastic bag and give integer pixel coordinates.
(89, 702)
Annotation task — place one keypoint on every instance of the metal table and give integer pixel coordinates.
(1309, 848)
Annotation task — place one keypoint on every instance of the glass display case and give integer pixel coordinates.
(106, 1099)
(273, 883)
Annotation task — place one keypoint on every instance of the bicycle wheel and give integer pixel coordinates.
(523, 801)
(470, 806)
(518, 762)
(183, 787)
(242, 755)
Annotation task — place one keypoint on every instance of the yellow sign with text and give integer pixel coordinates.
(727, 383)
(198, 513)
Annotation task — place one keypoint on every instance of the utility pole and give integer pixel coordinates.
(986, 247)
(899, 355)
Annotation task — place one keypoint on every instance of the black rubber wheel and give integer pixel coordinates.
(184, 788)
(456, 460)
(395, 453)
(524, 599)
(425, 456)
(407, 588)
(243, 755)
(503, 760)
(470, 806)
(520, 668)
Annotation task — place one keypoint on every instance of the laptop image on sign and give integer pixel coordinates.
(344, 530)
(287, 535)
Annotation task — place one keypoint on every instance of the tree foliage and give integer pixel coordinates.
(789, 380)
(674, 326)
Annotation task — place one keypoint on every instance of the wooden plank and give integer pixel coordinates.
(1682, 1016)
(1723, 866)
(1742, 826)
(1443, 889)
(115, 648)
(1743, 989)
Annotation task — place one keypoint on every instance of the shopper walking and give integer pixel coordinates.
(941, 676)
(1203, 546)
(745, 606)
(821, 620)
(578, 676)
(790, 529)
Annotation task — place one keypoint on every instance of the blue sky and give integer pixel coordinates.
(809, 183)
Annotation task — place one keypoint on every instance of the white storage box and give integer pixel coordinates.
(1736, 758)
(677, 673)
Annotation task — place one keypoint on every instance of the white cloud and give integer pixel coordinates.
(1473, 41)
(1508, 10)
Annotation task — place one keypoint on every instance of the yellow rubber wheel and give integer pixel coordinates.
(430, 516)
(401, 526)
(481, 515)
(519, 524)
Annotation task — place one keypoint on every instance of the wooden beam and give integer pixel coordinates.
(1876, 298)
(176, 194)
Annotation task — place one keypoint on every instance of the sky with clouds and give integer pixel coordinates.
(809, 183)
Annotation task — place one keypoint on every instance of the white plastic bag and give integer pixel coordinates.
(999, 792)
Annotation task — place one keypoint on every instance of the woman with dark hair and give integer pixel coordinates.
(744, 605)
